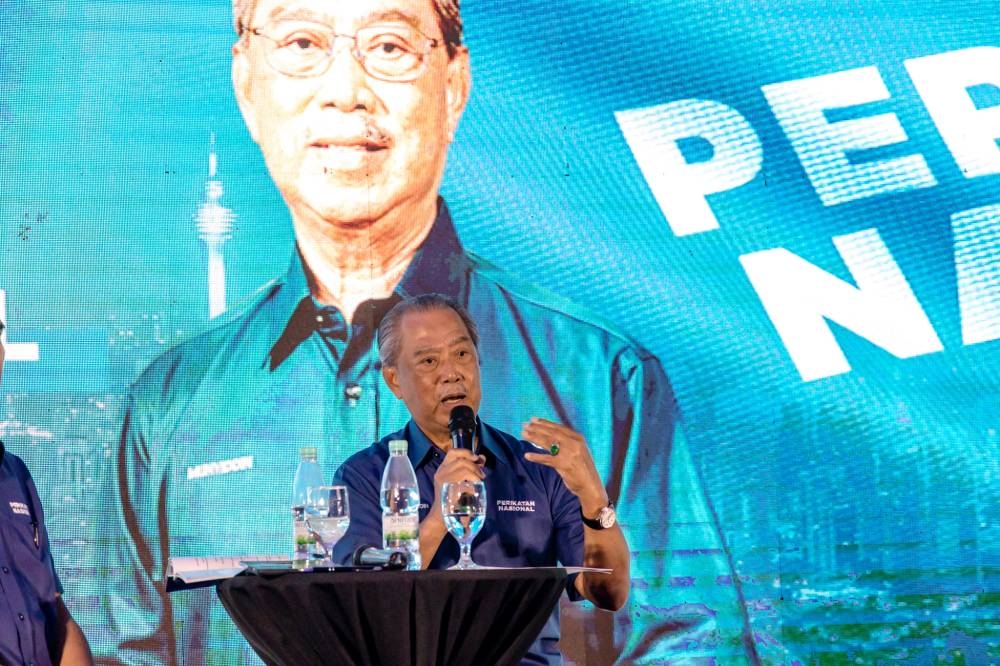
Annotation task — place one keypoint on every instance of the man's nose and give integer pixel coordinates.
(451, 372)
(345, 84)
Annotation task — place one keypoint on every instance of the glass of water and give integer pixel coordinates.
(463, 505)
(328, 515)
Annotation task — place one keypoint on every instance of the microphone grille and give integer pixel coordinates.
(462, 417)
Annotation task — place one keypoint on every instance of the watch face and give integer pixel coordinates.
(606, 517)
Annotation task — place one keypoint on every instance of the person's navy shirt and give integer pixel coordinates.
(532, 519)
(28, 579)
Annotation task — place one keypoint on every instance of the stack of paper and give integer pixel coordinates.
(201, 569)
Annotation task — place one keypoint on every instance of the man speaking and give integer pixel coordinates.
(429, 347)
(354, 105)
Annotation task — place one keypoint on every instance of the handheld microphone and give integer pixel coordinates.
(368, 555)
(462, 426)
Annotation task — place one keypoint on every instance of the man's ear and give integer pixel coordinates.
(243, 87)
(459, 87)
(391, 378)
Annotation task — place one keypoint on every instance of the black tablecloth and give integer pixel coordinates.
(393, 617)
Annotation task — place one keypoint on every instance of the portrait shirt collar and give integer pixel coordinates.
(439, 265)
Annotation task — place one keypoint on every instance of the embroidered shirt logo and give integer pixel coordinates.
(516, 505)
(220, 467)
(20, 508)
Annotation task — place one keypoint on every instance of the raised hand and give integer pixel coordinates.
(566, 451)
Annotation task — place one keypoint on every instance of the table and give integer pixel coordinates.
(488, 616)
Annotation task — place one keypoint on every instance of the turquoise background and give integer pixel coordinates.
(860, 509)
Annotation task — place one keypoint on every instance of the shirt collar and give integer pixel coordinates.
(439, 265)
(419, 448)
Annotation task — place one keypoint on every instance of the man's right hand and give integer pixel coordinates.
(458, 465)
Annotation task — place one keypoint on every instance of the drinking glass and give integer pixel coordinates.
(328, 515)
(463, 505)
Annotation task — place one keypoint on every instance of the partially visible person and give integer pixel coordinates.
(36, 628)
(429, 348)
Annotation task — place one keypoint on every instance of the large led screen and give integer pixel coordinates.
(789, 207)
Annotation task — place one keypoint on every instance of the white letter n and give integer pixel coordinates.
(799, 297)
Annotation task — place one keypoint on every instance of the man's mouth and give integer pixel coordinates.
(348, 153)
(453, 399)
(366, 139)
(359, 143)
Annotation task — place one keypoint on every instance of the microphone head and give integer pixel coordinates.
(462, 418)
(359, 552)
(367, 555)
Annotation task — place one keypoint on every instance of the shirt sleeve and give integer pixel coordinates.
(139, 609)
(684, 591)
(568, 530)
(360, 477)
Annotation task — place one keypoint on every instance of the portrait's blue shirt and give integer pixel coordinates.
(213, 428)
(28, 580)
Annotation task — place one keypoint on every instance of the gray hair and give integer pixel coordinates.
(389, 334)
(449, 15)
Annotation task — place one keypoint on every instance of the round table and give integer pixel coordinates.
(486, 616)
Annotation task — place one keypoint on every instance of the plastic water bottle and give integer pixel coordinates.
(400, 499)
(307, 475)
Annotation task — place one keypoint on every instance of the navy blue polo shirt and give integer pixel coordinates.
(28, 580)
(532, 519)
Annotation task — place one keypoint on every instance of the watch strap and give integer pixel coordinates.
(595, 523)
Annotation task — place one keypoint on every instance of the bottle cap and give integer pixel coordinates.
(397, 446)
(308, 453)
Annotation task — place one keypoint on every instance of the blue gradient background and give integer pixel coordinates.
(861, 509)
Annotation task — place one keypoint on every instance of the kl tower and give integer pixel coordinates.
(215, 224)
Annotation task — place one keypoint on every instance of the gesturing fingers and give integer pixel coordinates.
(554, 438)
(546, 459)
(564, 450)
(459, 465)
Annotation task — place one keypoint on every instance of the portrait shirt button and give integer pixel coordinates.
(6, 570)
(20, 616)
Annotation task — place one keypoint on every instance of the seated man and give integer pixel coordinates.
(428, 346)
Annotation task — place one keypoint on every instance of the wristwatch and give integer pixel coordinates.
(606, 518)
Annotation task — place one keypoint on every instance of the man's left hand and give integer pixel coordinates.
(567, 453)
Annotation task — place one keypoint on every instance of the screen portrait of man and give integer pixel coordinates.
(354, 106)
(789, 209)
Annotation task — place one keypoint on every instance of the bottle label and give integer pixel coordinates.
(399, 528)
(302, 541)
